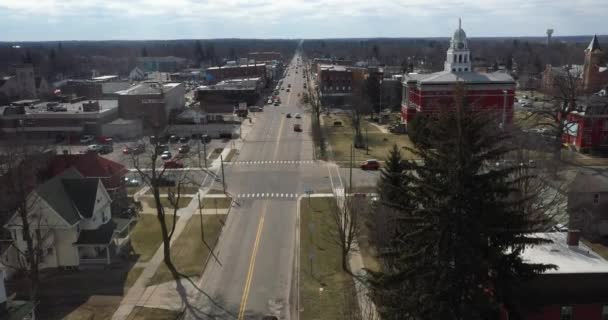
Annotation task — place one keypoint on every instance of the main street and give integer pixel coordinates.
(255, 273)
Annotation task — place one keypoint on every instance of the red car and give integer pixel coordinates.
(172, 164)
(370, 164)
(127, 150)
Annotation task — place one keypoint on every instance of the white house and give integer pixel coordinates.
(71, 216)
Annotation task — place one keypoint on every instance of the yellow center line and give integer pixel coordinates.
(252, 264)
(258, 235)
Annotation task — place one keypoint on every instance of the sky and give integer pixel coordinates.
(48, 20)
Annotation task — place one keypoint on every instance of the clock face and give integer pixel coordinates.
(460, 45)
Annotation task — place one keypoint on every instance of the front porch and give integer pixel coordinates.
(94, 246)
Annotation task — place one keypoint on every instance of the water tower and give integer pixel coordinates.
(549, 34)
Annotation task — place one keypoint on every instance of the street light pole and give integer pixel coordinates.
(504, 110)
(223, 177)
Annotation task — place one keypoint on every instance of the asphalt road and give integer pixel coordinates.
(254, 277)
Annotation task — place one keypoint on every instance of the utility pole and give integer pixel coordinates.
(504, 110)
(223, 177)
(366, 142)
(205, 151)
(350, 178)
(198, 152)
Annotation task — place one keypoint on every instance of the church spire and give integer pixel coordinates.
(594, 44)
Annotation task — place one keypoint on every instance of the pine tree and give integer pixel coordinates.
(391, 185)
(460, 243)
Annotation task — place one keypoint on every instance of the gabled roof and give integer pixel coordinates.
(448, 77)
(594, 44)
(588, 181)
(100, 236)
(83, 193)
(58, 198)
(90, 165)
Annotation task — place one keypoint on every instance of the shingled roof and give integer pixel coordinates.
(90, 165)
(594, 44)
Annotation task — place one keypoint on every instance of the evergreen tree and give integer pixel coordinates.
(459, 246)
(391, 185)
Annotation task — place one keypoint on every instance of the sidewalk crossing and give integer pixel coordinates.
(267, 195)
(272, 162)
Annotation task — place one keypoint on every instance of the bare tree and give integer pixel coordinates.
(21, 165)
(155, 174)
(566, 87)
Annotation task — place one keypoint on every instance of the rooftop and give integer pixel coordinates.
(41, 108)
(232, 84)
(105, 78)
(148, 88)
(467, 77)
(568, 259)
(332, 67)
(237, 66)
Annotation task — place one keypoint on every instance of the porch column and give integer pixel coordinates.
(107, 254)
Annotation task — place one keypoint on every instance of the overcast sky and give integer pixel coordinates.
(27, 20)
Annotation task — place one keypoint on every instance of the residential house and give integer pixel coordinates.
(588, 204)
(587, 127)
(71, 221)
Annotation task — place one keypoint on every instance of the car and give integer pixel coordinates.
(337, 123)
(184, 140)
(269, 101)
(166, 155)
(94, 148)
(297, 127)
(184, 149)
(131, 182)
(370, 164)
(139, 149)
(162, 148)
(173, 164)
(127, 150)
(276, 104)
(205, 138)
(282, 88)
(298, 116)
(288, 115)
(86, 139)
(173, 138)
(165, 182)
(106, 148)
(289, 85)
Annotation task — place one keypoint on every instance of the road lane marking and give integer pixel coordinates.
(252, 264)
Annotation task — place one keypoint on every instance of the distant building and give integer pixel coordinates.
(592, 76)
(335, 84)
(137, 74)
(430, 93)
(576, 289)
(227, 72)
(161, 64)
(587, 127)
(151, 102)
(57, 120)
(264, 56)
(23, 85)
(318, 62)
(94, 89)
(588, 204)
(224, 96)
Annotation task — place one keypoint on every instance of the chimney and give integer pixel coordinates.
(573, 237)
(3, 302)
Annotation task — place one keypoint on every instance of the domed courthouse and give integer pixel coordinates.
(432, 92)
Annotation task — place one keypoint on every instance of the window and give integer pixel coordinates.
(596, 198)
(466, 69)
(604, 312)
(453, 69)
(566, 313)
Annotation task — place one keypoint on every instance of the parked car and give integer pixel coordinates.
(139, 149)
(288, 115)
(131, 182)
(297, 127)
(162, 148)
(276, 104)
(370, 164)
(166, 155)
(298, 116)
(184, 140)
(287, 90)
(173, 164)
(337, 123)
(173, 138)
(269, 101)
(86, 139)
(127, 150)
(205, 138)
(184, 149)
(106, 148)
(165, 182)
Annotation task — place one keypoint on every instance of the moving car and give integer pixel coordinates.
(298, 116)
(173, 164)
(166, 155)
(184, 149)
(297, 127)
(86, 139)
(370, 164)
(288, 115)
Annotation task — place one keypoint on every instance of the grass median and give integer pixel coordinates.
(142, 313)
(326, 291)
(188, 251)
(183, 202)
(146, 236)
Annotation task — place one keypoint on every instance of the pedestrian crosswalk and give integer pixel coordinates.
(267, 195)
(254, 162)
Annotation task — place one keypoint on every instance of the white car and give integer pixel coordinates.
(94, 148)
(298, 116)
(86, 139)
(166, 155)
(269, 101)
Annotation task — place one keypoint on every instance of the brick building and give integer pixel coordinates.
(227, 72)
(587, 127)
(152, 103)
(266, 56)
(224, 96)
(431, 93)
